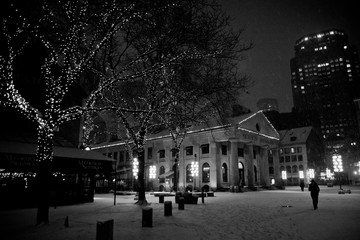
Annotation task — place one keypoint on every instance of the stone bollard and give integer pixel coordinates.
(147, 213)
(105, 230)
(168, 208)
(181, 203)
(161, 198)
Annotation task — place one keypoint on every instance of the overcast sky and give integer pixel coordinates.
(274, 26)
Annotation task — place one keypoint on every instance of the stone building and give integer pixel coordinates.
(301, 155)
(226, 156)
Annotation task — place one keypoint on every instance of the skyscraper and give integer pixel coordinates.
(325, 79)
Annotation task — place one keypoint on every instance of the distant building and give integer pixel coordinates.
(300, 155)
(268, 104)
(325, 78)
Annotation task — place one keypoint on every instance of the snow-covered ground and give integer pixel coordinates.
(276, 214)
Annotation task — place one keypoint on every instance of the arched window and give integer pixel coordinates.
(288, 169)
(206, 173)
(189, 177)
(162, 170)
(301, 168)
(294, 169)
(282, 168)
(224, 171)
(271, 170)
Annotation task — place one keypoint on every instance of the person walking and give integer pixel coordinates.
(302, 185)
(314, 192)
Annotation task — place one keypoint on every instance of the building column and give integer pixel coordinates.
(215, 176)
(234, 163)
(264, 167)
(249, 165)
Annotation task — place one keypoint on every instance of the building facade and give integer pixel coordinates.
(325, 81)
(300, 155)
(224, 156)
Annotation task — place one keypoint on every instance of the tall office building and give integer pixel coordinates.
(325, 79)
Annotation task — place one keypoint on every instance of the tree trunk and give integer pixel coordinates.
(176, 171)
(44, 157)
(141, 178)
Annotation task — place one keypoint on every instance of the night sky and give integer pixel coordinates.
(274, 26)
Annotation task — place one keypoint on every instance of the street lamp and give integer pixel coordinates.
(338, 167)
(152, 172)
(194, 170)
(310, 173)
(301, 174)
(135, 168)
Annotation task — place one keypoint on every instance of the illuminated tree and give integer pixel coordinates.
(198, 53)
(72, 35)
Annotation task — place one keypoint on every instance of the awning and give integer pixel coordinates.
(168, 174)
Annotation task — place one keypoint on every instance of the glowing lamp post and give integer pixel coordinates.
(337, 163)
(338, 167)
(194, 170)
(135, 168)
(283, 177)
(301, 174)
(152, 172)
(311, 173)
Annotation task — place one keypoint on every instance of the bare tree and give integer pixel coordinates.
(197, 53)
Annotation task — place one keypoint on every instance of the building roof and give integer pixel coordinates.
(295, 135)
(254, 123)
(24, 148)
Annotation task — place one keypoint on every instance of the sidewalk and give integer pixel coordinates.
(248, 215)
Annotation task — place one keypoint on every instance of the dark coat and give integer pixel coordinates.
(314, 188)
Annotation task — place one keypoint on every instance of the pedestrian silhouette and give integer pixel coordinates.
(302, 185)
(314, 192)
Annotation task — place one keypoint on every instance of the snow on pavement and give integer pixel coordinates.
(276, 214)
